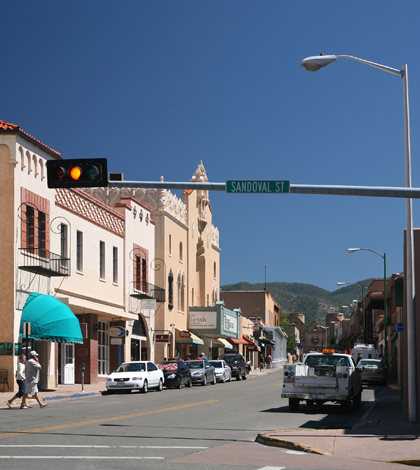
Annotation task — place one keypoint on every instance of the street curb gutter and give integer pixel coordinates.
(267, 440)
(412, 462)
(78, 395)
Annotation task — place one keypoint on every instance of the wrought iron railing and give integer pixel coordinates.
(44, 262)
(146, 290)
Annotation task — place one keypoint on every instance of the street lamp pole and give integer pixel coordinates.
(314, 63)
(352, 250)
(363, 305)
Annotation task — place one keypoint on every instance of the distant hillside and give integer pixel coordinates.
(312, 301)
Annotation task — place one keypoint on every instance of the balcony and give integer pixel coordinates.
(145, 290)
(43, 262)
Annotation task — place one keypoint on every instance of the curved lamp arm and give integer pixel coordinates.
(314, 63)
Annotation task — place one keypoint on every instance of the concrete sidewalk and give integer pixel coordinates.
(380, 436)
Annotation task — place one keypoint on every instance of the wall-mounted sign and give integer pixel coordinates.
(230, 324)
(116, 331)
(162, 338)
(203, 320)
(148, 304)
(6, 349)
(116, 340)
(185, 334)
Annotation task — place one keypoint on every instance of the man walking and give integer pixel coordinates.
(20, 379)
(32, 369)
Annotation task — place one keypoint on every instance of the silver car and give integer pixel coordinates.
(201, 372)
(223, 371)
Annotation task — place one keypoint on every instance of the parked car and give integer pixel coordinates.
(223, 371)
(176, 373)
(372, 370)
(135, 375)
(202, 372)
(237, 364)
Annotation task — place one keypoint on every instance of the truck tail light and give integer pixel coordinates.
(286, 374)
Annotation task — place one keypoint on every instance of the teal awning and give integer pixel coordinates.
(50, 320)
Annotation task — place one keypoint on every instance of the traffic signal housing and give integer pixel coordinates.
(77, 173)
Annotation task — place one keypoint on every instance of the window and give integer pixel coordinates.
(141, 275)
(180, 251)
(30, 229)
(103, 348)
(42, 235)
(64, 245)
(79, 251)
(214, 270)
(102, 260)
(115, 264)
(170, 245)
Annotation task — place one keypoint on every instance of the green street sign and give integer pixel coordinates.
(257, 186)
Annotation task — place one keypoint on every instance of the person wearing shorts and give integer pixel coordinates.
(32, 369)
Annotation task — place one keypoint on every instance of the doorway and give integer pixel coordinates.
(67, 355)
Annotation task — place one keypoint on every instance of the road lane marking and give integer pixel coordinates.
(77, 457)
(104, 420)
(100, 447)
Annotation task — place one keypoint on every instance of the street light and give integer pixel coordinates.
(314, 63)
(352, 250)
(326, 335)
(363, 305)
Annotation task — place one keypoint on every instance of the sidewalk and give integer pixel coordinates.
(380, 436)
(61, 391)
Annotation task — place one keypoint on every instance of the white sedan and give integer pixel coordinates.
(222, 370)
(136, 375)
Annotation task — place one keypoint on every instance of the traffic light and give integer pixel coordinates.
(77, 173)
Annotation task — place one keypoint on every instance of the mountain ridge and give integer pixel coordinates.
(314, 302)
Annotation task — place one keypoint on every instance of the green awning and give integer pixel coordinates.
(50, 320)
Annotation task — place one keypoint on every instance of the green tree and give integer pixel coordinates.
(291, 337)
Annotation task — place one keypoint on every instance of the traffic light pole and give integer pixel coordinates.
(373, 191)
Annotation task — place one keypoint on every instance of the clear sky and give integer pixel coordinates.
(158, 86)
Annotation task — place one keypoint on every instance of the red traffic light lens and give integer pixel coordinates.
(58, 173)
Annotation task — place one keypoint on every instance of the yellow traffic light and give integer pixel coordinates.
(77, 173)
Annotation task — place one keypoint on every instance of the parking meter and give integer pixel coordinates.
(83, 375)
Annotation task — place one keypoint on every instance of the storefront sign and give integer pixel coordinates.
(116, 340)
(230, 324)
(203, 320)
(162, 338)
(185, 334)
(116, 331)
(6, 349)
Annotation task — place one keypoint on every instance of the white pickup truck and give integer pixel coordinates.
(323, 376)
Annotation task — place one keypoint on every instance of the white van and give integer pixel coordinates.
(367, 351)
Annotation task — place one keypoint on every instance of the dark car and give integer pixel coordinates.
(238, 365)
(175, 373)
(202, 372)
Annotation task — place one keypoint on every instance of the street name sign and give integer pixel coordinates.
(257, 186)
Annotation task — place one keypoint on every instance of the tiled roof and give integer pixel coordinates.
(188, 191)
(9, 127)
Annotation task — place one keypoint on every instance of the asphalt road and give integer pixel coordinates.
(213, 427)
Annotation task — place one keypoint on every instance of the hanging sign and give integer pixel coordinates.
(116, 331)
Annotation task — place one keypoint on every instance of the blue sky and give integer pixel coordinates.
(157, 86)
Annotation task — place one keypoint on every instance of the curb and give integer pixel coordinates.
(413, 462)
(76, 395)
(264, 439)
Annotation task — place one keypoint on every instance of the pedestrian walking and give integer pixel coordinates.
(268, 361)
(32, 368)
(262, 362)
(20, 379)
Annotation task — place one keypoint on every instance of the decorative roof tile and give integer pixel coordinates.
(6, 127)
